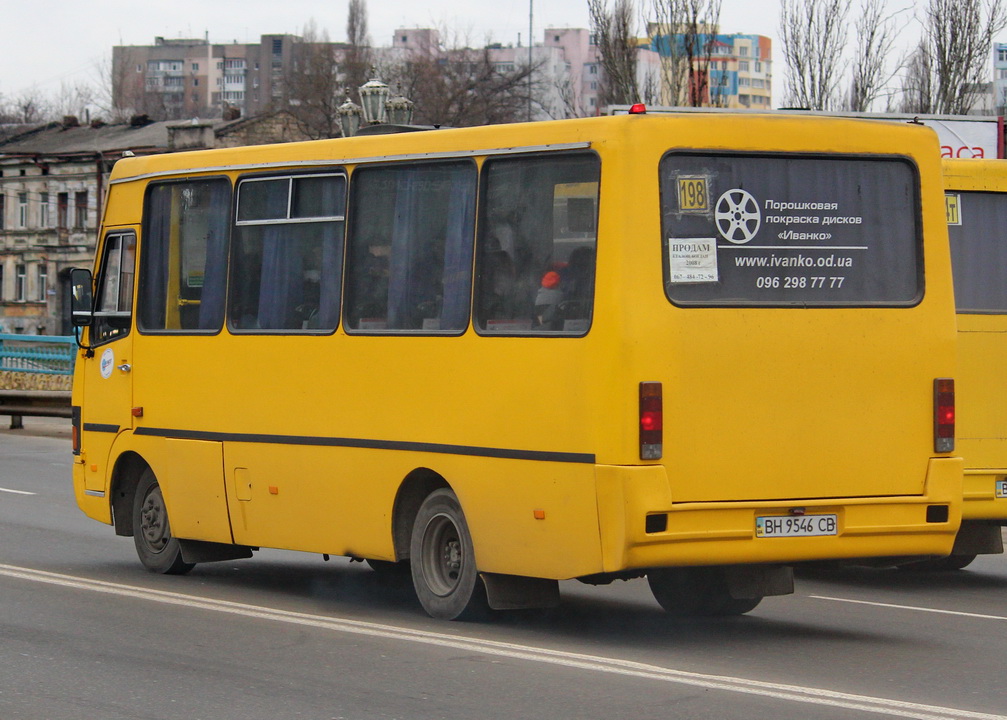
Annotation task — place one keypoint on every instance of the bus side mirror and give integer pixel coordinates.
(81, 305)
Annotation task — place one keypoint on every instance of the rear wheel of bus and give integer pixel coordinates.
(158, 550)
(442, 560)
(697, 592)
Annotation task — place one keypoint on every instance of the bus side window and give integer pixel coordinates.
(409, 257)
(287, 254)
(535, 257)
(113, 311)
(183, 258)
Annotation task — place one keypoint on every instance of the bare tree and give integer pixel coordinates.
(616, 43)
(813, 34)
(917, 92)
(357, 58)
(313, 86)
(958, 36)
(128, 94)
(686, 37)
(30, 106)
(464, 86)
(75, 99)
(875, 37)
(664, 34)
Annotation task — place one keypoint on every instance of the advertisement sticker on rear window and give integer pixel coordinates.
(782, 230)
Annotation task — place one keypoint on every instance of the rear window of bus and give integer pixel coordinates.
(743, 229)
(978, 250)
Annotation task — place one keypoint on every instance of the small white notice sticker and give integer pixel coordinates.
(107, 363)
(693, 260)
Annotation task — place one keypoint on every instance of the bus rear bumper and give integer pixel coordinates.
(985, 495)
(724, 533)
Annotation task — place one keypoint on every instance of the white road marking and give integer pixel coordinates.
(979, 616)
(16, 492)
(616, 666)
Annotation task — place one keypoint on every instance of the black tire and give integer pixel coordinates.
(158, 550)
(442, 560)
(696, 592)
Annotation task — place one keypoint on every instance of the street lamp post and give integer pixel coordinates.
(373, 96)
(349, 116)
(399, 110)
(376, 108)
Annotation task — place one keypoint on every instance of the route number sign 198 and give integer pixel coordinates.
(693, 195)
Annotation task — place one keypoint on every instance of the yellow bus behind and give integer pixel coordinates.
(977, 218)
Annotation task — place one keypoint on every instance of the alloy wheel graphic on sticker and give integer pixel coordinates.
(738, 217)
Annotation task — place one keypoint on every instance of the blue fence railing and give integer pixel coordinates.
(46, 354)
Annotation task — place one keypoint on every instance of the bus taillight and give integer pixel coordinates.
(651, 421)
(944, 415)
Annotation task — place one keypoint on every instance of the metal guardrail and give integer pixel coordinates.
(46, 354)
(28, 364)
(37, 403)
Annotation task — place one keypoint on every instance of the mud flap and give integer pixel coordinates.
(516, 592)
(757, 581)
(199, 551)
(978, 538)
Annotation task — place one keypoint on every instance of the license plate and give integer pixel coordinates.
(1001, 488)
(795, 525)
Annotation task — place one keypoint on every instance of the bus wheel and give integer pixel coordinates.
(443, 561)
(696, 592)
(158, 550)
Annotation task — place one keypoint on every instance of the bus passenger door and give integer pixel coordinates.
(108, 388)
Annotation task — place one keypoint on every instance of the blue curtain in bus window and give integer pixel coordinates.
(282, 270)
(431, 248)
(211, 306)
(458, 249)
(406, 226)
(334, 196)
(154, 273)
(282, 267)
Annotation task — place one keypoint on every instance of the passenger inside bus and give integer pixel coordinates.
(566, 292)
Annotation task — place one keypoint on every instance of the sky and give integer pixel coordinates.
(57, 43)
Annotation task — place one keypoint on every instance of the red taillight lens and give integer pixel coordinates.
(944, 415)
(651, 421)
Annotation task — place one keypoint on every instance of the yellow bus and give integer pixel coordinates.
(695, 349)
(977, 215)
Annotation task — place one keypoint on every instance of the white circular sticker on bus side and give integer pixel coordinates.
(107, 363)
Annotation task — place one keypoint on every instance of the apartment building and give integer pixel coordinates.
(737, 73)
(185, 78)
(1000, 78)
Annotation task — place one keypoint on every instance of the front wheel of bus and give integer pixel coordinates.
(697, 592)
(158, 550)
(443, 560)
